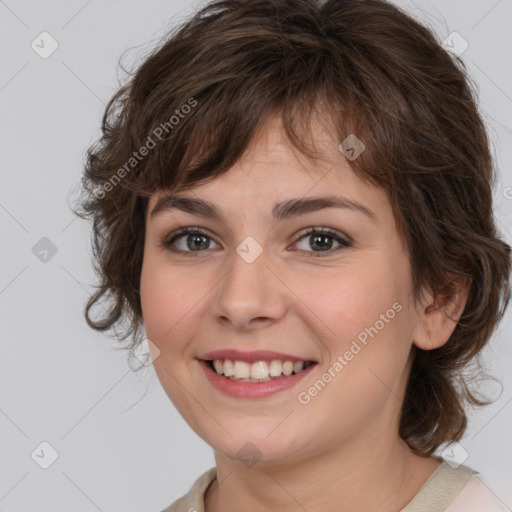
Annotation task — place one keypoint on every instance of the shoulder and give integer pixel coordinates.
(457, 489)
(475, 496)
(193, 501)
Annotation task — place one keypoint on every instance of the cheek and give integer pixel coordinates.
(363, 316)
(158, 294)
(156, 302)
(349, 299)
(171, 297)
(374, 350)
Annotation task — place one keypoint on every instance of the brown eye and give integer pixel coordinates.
(189, 240)
(323, 240)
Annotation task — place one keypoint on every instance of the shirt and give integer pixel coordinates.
(447, 490)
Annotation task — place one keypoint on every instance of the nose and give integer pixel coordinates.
(250, 295)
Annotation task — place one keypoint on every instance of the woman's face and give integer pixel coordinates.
(252, 282)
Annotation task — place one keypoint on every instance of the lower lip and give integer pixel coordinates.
(240, 389)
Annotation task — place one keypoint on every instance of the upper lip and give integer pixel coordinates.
(250, 357)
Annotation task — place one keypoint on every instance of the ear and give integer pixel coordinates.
(439, 314)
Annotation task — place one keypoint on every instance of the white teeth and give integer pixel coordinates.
(229, 368)
(218, 365)
(288, 368)
(259, 371)
(276, 368)
(242, 370)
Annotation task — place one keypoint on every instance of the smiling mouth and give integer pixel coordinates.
(259, 371)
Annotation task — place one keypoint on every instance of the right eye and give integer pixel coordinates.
(188, 241)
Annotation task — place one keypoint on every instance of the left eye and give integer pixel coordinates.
(323, 238)
(197, 240)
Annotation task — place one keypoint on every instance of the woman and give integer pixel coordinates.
(293, 200)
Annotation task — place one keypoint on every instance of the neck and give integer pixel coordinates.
(368, 477)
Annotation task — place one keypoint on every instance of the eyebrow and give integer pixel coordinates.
(281, 211)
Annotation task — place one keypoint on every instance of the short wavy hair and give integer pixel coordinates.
(188, 112)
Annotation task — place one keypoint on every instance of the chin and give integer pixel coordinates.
(256, 449)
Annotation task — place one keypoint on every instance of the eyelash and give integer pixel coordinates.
(167, 243)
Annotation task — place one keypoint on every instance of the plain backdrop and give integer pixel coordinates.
(117, 441)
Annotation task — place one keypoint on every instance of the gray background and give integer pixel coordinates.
(120, 448)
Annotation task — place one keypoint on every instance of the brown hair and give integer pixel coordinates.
(199, 98)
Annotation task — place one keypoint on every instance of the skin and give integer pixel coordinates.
(341, 451)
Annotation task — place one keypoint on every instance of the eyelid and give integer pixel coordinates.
(343, 240)
(323, 230)
(186, 230)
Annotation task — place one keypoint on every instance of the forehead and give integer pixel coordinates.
(273, 167)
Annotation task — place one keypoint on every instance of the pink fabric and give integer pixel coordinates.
(476, 497)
